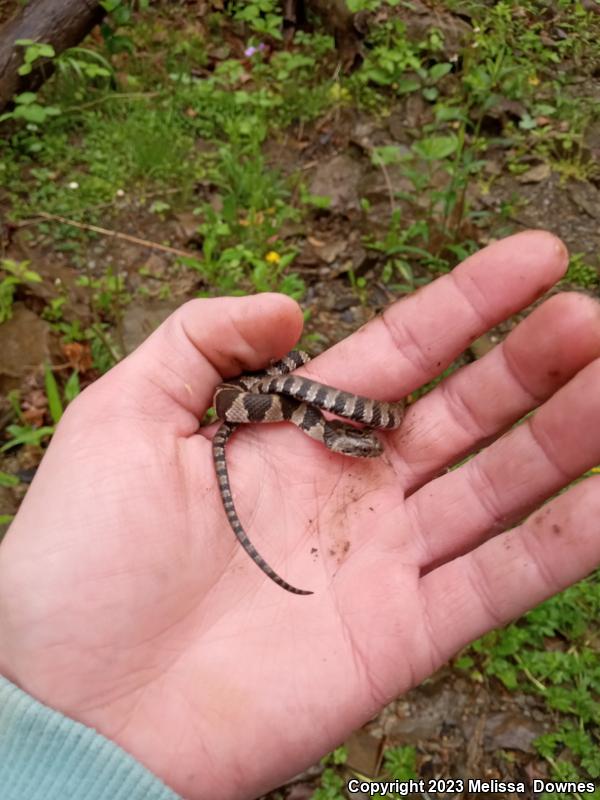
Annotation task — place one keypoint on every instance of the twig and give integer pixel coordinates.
(96, 327)
(538, 684)
(116, 96)
(388, 183)
(117, 235)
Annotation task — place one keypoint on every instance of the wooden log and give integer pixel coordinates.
(61, 23)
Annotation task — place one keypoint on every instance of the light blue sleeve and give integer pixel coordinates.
(46, 756)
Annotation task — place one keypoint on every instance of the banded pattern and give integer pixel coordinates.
(374, 413)
(219, 442)
(274, 395)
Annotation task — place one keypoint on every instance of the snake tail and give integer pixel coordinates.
(220, 440)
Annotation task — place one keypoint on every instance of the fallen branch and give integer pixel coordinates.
(165, 248)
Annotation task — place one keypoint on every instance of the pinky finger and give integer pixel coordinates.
(506, 576)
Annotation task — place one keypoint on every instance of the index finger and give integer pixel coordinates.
(416, 338)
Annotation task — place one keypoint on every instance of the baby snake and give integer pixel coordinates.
(274, 395)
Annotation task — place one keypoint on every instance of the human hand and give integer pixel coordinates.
(127, 603)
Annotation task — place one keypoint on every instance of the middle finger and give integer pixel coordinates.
(480, 401)
(505, 481)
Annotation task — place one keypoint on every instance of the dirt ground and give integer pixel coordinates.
(460, 727)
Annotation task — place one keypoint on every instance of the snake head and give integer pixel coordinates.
(350, 441)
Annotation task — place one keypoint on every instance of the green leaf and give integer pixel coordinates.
(7, 290)
(405, 85)
(387, 154)
(121, 15)
(435, 148)
(53, 395)
(430, 93)
(545, 110)
(26, 435)
(450, 114)
(72, 387)
(317, 200)
(31, 276)
(401, 762)
(8, 480)
(439, 70)
(26, 98)
(38, 50)
(527, 123)
(464, 662)
(46, 50)
(33, 113)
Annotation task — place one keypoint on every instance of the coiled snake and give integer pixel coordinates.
(273, 395)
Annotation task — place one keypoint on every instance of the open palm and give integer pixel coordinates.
(127, 603)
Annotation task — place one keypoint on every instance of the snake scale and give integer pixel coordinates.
(275, 395)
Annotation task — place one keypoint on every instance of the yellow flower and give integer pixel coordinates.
(272, 257)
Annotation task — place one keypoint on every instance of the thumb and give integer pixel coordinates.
(199, 344)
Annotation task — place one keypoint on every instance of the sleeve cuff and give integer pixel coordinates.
(47, 756)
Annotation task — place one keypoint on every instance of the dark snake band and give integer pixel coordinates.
(274, 395)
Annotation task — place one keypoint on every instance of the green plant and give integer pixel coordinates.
(229, 268)
(70, 391)
(26, 434)
(137, 143)
(18, 275)
(33, 51)
(105, 354)
(248, 188)
(404, 246)
(369, 5)
(121, 10)
(401, 268)
(109, 294)
(400, 763)
(120, 16)
(581, 273)
(28, 108)
(263, 16)
(269, 274)
(359, 286)
(71, 330)
(7, 480)
(389, 61)
(567, 677)
(83, 63)
(331, 783)
(239, 229)
(55, 405)
(331, 786)
(290, 82)
(285, 65)
(428, 157)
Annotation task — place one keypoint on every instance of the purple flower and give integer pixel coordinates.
(250, 51)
